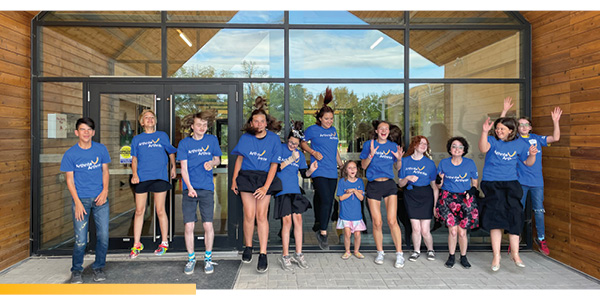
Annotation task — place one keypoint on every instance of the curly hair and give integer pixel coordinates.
(325, 108)
(414, 143)
(259, 109)
(462, 140)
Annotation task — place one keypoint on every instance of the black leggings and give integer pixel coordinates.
(325, 195)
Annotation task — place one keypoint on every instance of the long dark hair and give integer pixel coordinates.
(259, 109)
(375, 124)
(395, 134)
(325, 108)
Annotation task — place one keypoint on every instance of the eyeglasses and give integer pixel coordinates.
(292, 143)
(458, 147)
(424, 143)
(524, 125)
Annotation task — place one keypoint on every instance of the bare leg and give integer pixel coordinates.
(249, 215)
(298, 231)
(462, 241)
(496, 237)
(347, 236)
(285, 234)
(262, 223)
(209, 235)
(391, 206)
(356, 241)
(452, 238)
(427, 238)
(189, 236)
(416, 234)
(163, 220)
(138, 220)
(375, 208)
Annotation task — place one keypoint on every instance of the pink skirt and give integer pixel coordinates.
(353, 225)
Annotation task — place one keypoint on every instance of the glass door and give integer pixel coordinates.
(190, 99)
(115, 109)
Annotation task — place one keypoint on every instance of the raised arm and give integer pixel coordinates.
(555, 137)
(484, 145)
(507, 106)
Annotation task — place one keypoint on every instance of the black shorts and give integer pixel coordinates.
(249, 181)
(155, 186)
(381, 189)
(288, 204)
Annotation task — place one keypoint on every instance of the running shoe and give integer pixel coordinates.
(430, 255)
(286, 262)
(399, 260)
(414, 256)
(322, 239)
(542, 246)
(263, 264)
(135, 250)
(189, 267)
(162, 249)
(299, 260)
(99, 275)
(76, 277)
(247, 255)
(209, 266)
(379, 258)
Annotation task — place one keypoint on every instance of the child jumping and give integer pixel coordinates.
(351, 192)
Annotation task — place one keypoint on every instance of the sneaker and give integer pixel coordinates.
(209, 266)
(162, 249)
(76, 277)
(263, 264)
(465, 262)
(299, 260)
(414, 256)
(286, 262)
(430, 255)
(379, 258)
(543, 246)
(99, 275)
(247, 255)
(399, 260)
(135, 251)
(450, 262)
(322, 239)
(189, 267)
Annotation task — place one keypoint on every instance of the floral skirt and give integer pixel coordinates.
(455, 209)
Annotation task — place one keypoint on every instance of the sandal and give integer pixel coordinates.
(359, 255)
(346, 256)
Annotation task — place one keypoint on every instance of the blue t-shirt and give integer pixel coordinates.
(532, 176)
(382, 163)
(324, 141)
(197, 152)
(151, 151)
(350, 208)
(258, 153)
(502, 158)
(457, 179)
(423, 168)
(86, 165)
(289, 175)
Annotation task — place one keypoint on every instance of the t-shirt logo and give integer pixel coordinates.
(201, 151)
(259, 156)
(463, 176)
(90, 165)
(505, 156)
(331, 136)
(421, 169)
(151, 143)
(158, 139)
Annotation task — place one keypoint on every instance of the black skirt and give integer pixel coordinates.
(419, 202)
(249, 181)
(501, 207)
(288, 204)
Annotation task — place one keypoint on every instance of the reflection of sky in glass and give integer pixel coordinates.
(324, 17)
(229, 48)
(344, 54)
(257, 17)
(421, 67)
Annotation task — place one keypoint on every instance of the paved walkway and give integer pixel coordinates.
(329, 271)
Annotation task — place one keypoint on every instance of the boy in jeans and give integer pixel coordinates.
(86, 167)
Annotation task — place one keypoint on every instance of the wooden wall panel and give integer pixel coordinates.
(566, 66)
(15, 153)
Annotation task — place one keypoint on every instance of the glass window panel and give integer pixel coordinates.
(355, 107)
(61, 106)
(346, 54)
(465, 54)
(461, 17)
(226, 17)
(100, 51)
(103, 16)
(347, 17)
(440, 111)
(219, 53)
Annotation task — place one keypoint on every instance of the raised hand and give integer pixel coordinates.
(398, 154)
(507, 104)
(487, 125)
(373, 149)
(556, 113)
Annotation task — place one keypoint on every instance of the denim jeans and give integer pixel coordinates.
(101, 217)
(537, 205)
